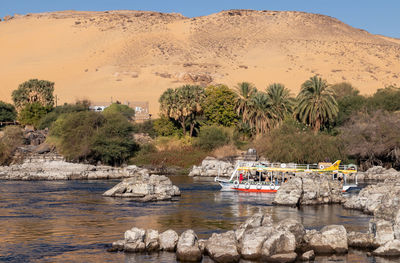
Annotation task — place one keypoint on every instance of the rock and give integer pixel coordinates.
(145, 188)
(396, 226)
(295, 227)
(360, 240)
(222, 248)
(255, 220)
(390, 249)
(309, 189)
(188, 247)
(43, 148)
(252, 241)
(7, 18)
(151, 240)
(117, 246)
(135, 235)
(211, 167)
(135, 247)
(280, 243)
(308, 256)
(331, 239)
(168, 240)
(202, 245)
(381, 230)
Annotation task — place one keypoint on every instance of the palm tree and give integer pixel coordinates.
(245, 91)
(316, 103)
(281, 102)
(261, 116)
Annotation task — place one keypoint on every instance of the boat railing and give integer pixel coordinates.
(315, 166)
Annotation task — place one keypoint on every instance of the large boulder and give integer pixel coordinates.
(151, 240)
(361, 240)
(252, 241)
(279, 247)
(211, 167)
(134, 240)
(255, 220)
(145, 188)
(294, 227)
(381, 230)
(188, 247)
(390, 249)
(222, 248)
(309, 189)
(168, 240)
(331, 239)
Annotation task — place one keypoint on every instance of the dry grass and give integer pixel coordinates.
(225, 151)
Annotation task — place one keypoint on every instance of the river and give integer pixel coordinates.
(70, 221)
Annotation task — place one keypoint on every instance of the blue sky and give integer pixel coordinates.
(377, 17)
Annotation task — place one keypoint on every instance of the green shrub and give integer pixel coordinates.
(32, 113)
(11, 140)
(211, 137)
(7, 112)
(165, 127)
(293, 143)
(219, 106)
(385, 99)
(34, 91)
(125, 110)
(146, 127)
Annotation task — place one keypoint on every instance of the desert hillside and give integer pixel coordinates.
(135, 55)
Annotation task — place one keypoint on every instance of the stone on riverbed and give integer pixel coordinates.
(168, 240)
(256, 220)
(151, 240)
(222, 248)
(390, 249)
(188, 247)
(382, 231)
(361, 240)
(307, 256)
(145, 188)
(279, 247)
(253, 240)
(331, 239)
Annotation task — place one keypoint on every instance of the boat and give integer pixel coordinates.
(262, 177)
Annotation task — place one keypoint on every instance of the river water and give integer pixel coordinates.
(70, 221)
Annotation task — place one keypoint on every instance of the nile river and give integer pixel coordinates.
(70, 221)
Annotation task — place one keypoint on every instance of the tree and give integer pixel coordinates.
(11, 140)
(32, 113)
(280, 100)
(125, 110)
(183, 104)
(165, 127)
(7, 112)
(219, 106)
(211, 137)
(385, 99)
(316, 103)
(261, 116)
(245, 91)
(344, 89)
(34, 91)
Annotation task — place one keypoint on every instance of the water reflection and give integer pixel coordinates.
(69, 221)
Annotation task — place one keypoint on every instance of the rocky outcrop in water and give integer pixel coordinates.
(378, 173)
(145, 187)
(53, 167)
(260, 239)
(309, 189)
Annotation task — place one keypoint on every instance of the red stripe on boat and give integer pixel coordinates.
(255, 190)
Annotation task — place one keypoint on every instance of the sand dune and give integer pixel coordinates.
(135, 56)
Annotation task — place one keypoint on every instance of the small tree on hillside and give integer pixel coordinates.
(7, 112)
(34, 91)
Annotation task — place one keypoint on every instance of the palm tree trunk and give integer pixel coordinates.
(317, 126)
(183, 126)
(191, 129)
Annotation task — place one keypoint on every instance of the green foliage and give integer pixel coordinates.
(92, 137)
(211, 137)
(183, 104)
(292, 143)
(219, 106)
(7, 112)
(147, 127)
(34, 91)
(316, 103)
(385, 99)
(52, 116)
(165, 127)
(11, 140)
(32, 113)
(344, 89)
(125, 110)
(245, 91)
(282, 103)
(373, 139)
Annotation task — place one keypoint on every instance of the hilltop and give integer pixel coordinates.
(136, 55)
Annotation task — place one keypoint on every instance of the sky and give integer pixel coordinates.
(377, 17)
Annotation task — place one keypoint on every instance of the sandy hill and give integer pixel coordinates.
(135, 56)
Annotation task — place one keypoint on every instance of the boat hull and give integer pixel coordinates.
(248, 187)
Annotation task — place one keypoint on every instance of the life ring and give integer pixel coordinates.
(283, 165)
(352, 167)
(236, 184)
(321, 167)
(259, 186)
(247, 185)
(272, 185)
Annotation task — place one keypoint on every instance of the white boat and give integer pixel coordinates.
(268, 177)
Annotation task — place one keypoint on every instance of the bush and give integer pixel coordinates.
(51, 117)
(7, 112)
(373, 139)
(92, 137)
(211, 137)
(385, 99)
(125, 110)
(165, 127)
(292, 143)
(146, 127)
(34, 91)
(219, 106)
(11, 140)
(32, 113)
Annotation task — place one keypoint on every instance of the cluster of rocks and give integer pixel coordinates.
(378, 173)
(145, 187)
(383, 201)
(45, 167)
(309, 189)
(259, 238)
